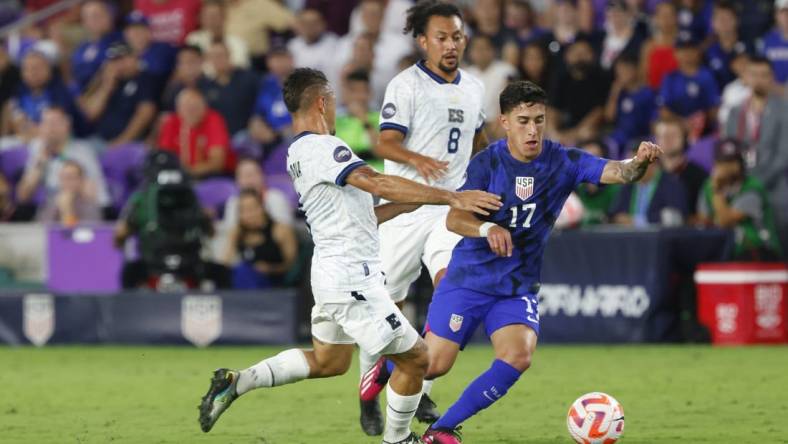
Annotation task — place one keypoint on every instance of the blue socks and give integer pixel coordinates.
(489, 387)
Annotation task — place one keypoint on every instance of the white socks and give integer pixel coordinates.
(286, 367)
(399, 413)
(426, 387)
(366, 361)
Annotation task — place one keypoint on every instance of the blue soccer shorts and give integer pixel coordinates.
(455, 312)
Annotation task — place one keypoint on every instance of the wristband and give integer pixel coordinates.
(484, 228)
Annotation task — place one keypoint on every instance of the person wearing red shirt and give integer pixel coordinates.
(197, 134)
(170, 20)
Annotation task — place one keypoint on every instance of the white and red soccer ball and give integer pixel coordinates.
(595, 418)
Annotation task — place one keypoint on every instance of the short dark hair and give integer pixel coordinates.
(191, 48)
(757, 59)
(419, 15)
(298, 85)
(358, 75)
(727, 5)
(521, 91)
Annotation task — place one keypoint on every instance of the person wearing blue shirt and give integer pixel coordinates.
(156, 58)
(631, 105)
(90, 55)
(494, 274)
(121, 103)
(690, 89)
(726, 44)
(271, 122)
(774, 45)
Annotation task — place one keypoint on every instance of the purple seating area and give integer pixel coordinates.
(122, 168)
(83, 260)
(213, 193)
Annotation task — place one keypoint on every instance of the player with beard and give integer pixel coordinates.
(431, 123)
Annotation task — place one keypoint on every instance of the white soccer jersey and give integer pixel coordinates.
(341, 218)
(439, 120)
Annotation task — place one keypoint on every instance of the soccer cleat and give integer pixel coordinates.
(374, 381)
(427, 411)
(442, 436)
(220, 395)
(371, 417)
(412, 439)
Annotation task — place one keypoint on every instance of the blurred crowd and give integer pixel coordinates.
(88, 92)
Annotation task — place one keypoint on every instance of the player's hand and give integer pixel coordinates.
(500, 240)
(480, 202)
(648, 153)
(429, 168)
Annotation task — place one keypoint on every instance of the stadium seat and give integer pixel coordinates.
(12, 166)
(122, 168)
(702, 152)
(213, 193)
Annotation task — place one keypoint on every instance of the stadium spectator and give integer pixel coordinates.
(774, 45)
(363, 58)
(337, 14)
(75, 200)
(231, 91)
(212, 29)
(393, 19)
(171, 20)
(121, 102)
(671, 136)
(246, 20)
(493, 73)
(694, 18)
(597, 199)
(487, 20)
(90, 54)
(690, 91)
(726, 43)
(313, 46)
(157, 59)
(49, 151)
(188, 71)
(40, 88)
(260, 250)
(270, 124)
(521, 19)
(6, 202)
(9, 75)
(564, 31)
(535, 65)
(733, 199)
(249, 175)
(631, 105)
(657, 57)
(357, 122)
(657, 199)
(197, 135)
(737, 91)
(761, 125)
(577, 99)
(623, 34)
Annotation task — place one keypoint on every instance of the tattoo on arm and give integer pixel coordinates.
(630, 171)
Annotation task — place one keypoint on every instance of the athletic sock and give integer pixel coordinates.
(489, 387)
(366, 361)
(426, 387)
(286, 367)
(399, 413)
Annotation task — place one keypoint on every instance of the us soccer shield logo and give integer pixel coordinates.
(524, 187)
(455, 323)
(38, 313)
(201, 319)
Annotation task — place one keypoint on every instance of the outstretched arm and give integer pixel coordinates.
(397, 189)
(390, 147)
(466, 224)
(391, 210)
(631, 170)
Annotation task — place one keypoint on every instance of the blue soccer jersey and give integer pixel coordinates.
(533, 195)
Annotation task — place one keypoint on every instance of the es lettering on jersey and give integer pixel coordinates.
(532, 194)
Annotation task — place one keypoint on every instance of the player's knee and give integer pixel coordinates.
(519, 359)
(418, 362)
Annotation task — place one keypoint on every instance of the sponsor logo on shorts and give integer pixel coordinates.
(389, 110)
(455, 323)
(342, 154)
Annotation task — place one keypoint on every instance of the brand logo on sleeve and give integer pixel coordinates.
(342, 154)
(389, 110)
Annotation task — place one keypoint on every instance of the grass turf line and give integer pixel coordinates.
(670, 394)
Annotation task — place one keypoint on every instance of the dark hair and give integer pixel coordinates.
(727, 5)
(191, 48)
(596, 142)
(358, 75)
(420, 13)
(757, 59)
(298, 85)
(521, 91)
(628, 58)
(729, 150)
(251, 192)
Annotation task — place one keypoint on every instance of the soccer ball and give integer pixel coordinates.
(595, 418)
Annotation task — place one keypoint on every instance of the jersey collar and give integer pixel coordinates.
(301, 134)
(436, 77)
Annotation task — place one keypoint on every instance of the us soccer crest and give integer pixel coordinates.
(524, 187)
(38, 312)
(455, 323)
(201, 319)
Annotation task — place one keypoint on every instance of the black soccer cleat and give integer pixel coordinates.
(427, 412)
(371, 417)
(220, 396)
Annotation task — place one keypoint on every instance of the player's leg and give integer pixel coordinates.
(401, 247)
(324, 360)
(404, 391)
(513, 332)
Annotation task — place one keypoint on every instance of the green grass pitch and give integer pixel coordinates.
(670, 394)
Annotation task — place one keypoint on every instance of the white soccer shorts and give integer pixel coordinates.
(405, 245)
(367, 317)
